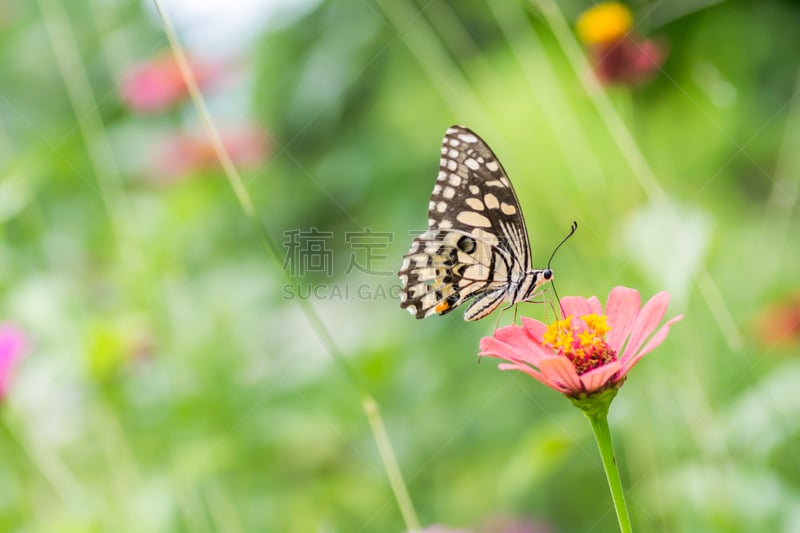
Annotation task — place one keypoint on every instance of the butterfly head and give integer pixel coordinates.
(539, 278)
(547, 273)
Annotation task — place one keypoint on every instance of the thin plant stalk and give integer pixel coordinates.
(87, 114)
(783, 198)
(434, 43)
(109, 185)
(369, 404)
(633, 155)
(49, 466)
(116, 36)
(422, 41)
(529, 51)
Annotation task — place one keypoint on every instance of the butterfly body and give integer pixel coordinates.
(476, 245)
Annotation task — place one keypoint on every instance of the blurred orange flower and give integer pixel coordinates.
(604, 23)
(183, 154)
(779, 323)
(157, 84)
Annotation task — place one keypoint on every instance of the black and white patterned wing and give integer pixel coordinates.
(476, 237)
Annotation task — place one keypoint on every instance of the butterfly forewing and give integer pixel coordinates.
(476, 239)
(473, 191)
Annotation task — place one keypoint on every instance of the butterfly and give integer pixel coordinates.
(476, 246)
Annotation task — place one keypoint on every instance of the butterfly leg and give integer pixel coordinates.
(497, 322)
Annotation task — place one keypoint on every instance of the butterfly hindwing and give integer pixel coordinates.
(446, 267)
(476, 239)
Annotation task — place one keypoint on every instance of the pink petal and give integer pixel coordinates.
(535, 328)
(595, 305)
(654, 341)
(595, 379)
(649, 317)
(524, 347)
(516, 336)
(562, 371)
(622, 309)
(492, 347)
(576, 306)
(532, 373)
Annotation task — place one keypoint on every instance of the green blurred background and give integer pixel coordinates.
(173, 381)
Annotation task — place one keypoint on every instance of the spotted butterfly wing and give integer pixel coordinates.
(476, 245)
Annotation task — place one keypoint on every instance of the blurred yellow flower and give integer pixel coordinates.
(603, 23)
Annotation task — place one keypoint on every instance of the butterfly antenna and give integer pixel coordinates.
(555, 292)
(571, 232)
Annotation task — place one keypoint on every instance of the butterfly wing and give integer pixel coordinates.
(476, 239)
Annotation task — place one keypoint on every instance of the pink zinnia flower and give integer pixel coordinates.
(157, 84)
(12, 348)
(586, 352)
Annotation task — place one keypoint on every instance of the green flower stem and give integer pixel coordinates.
(87, 111)
(603, 437)
(595, 408)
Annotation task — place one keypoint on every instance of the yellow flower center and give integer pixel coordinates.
(581, 340)
(605, 22)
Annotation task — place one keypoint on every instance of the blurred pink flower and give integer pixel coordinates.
(495, 525)
(12, 347)
(586, 352)
(156, 84)
(515, 525)
(183, 154)
(442, 529)
(627, 60)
